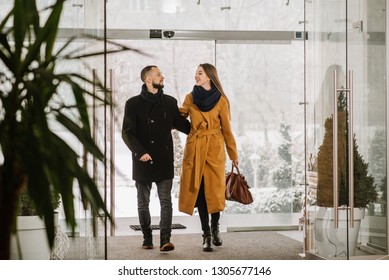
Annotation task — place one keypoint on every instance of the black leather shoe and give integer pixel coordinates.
(166, 247)
(207, 243)
(216, 239)
(165, 244)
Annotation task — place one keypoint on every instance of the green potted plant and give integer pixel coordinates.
(26, 205)
(365, 190)
(32, 152)
(30, 240)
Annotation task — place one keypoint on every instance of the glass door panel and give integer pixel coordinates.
(326, 65)
(92, 226)
(341, 60)
(266, 93)
(367, 58)
(99, 226)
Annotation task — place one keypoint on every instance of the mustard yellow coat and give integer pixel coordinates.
(205, 156)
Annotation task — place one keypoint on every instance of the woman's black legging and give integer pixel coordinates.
(201, 204)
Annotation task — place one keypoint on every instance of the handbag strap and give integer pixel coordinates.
(228, 191)
(232, 168)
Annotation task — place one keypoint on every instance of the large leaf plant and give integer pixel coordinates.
(32, 154)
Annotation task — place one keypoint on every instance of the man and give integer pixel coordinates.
(148, 120)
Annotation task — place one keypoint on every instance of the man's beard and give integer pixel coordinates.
(157, 86)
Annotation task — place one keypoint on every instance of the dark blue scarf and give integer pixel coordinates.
(204, 99)
(150, 97)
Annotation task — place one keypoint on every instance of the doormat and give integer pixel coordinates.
(174, 226)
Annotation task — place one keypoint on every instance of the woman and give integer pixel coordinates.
(202, 183)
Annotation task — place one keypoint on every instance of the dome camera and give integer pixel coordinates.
(168, 34)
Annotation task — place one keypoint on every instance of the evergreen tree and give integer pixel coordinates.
(178, 153)
(377, 152)
(364, 187)
(282, 178)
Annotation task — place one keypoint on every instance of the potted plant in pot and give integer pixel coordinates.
(30, 240)
(332, 241)
(32, 152)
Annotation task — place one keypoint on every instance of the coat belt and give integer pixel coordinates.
(199, 133)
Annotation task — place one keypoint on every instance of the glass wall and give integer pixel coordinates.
(263, 78)
(346, 70)
(265, 87)
(90, 227)
(206, 15)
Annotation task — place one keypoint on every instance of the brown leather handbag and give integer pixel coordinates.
(237, 188)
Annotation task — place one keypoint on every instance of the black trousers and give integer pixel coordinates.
(201, 204)
(164, 189)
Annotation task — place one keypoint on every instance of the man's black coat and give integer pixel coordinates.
(147, 129)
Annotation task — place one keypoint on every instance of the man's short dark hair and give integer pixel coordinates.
(145, 71)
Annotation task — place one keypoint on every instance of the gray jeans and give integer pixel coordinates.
(164, 189)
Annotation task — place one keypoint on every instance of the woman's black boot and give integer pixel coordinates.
(207, 242)
(216, 239)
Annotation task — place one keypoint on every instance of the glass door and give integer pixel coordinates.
(265, 89)
(260, 63)
(178, 60)
(267, 120)
(77, 20)
(346, 121)
(98, 226)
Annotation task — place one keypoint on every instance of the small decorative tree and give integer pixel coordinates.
(364, 188)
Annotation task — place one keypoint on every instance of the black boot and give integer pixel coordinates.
(147, 239)
(207, 242)
(216, 239)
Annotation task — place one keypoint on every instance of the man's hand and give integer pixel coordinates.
(145, 157)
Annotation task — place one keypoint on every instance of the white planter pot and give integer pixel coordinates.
(34, 245)
(331, 242)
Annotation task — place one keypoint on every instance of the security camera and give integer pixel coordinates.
(168, 34)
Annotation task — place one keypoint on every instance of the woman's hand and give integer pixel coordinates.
(235, 162)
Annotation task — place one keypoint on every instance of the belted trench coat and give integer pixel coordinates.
(205, 155)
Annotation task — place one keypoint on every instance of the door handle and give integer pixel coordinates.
(348, 90)
(351, 148)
